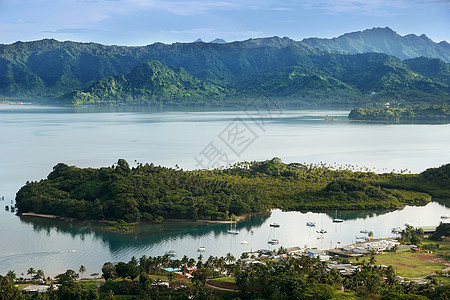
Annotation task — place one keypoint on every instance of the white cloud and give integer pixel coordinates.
(367, 7)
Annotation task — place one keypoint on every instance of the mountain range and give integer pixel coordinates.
(374, 65)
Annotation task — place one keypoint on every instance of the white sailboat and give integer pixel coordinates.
(336, 220)
(200, 247)
(171, 252)
(232, 230)
(272, 241)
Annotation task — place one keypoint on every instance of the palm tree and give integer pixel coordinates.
(11, 274)
(39, 275)
(31, 272)
(82, 270)
(230, 258)
(110, 294)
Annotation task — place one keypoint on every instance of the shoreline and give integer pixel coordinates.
(48, 216)
(32, 214)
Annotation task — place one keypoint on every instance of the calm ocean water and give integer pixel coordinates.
(34, 138)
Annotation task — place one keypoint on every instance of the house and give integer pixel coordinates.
(36, 289)
(294, 250)
(315, 252)
(344, 269)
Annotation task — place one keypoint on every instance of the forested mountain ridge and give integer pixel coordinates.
(147, 192)
(384, 40)
(280, 67)
(331, 78)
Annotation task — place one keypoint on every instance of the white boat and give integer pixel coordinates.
(201, 249)
(171, 253)
(445, 217)
(232, 229)
(336, 220)
(322, 231)
(364, 231)
(244, 242)
(319, 237)
(274, 225)
(71, 251)
(273, 241)
(310, 224)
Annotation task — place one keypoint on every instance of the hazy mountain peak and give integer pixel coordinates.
(218, 41)
(385, 40)
(199, 40)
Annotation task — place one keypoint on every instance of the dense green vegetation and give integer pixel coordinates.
(209, 73)
(439, 114)
(148, 192)
(324, 78)
(442, 231)
(151, 82)
(252, 277)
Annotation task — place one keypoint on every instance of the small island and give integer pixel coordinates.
(434, 114)
(152, 193)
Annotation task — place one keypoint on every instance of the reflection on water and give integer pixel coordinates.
(35, 138)
(56, 245)
(145, 234)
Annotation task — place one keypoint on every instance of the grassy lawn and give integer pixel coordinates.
(160, 277)
(444, 247)
(406, 266)
(22, 285)
(444, 280)
(225, 279)
(339, 295)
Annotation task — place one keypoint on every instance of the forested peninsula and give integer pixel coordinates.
(148, 192)
(435, 113)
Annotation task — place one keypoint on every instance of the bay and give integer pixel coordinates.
(35, 138)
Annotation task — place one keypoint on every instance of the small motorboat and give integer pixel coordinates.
(201, 249)
(310, 224)
(364, 231)
(396, 230)
(244, 242)
(322, 231)
(273, 242)
(274, 225)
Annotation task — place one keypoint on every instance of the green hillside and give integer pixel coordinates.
(151, 82)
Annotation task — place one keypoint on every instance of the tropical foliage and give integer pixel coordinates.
(148, 192)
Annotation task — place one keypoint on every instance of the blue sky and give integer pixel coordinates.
(142, 22)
